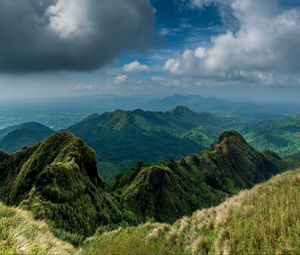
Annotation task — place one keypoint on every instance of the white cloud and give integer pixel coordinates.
(122, 78)
(266, 45)
(200, 52)
(135, 66)
(69, 18)
(157, 79)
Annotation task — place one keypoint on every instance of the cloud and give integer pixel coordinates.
(264, 48)
(157, 79)
(46, 35)
(135, 66)
(122, 78)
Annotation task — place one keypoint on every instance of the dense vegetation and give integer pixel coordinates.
(122, 138)
(172, 189)
(264, 220)
(58, 181)
(281, 136)
(20, 234)
(27, 134)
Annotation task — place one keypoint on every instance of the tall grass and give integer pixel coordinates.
(20, 234)
(264, 220)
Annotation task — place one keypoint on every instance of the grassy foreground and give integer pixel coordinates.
(263, 220)
(20, 234)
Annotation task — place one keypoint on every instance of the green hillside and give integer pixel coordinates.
(58, 181)
(20, 234)
(263, 220)
(167, 191)
(27, 134)
(123, 138)
(281, 136)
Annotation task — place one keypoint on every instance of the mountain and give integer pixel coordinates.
(27, 134)
(168, 191)
(263, 220)
(122, 138)
(281, 136)
(195, 102)
(21, 234)
(57, 180)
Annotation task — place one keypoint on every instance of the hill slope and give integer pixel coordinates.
(172, 189)
(27, 134)
(20, 234)
(122, 138)
(281, 136)
(263, 220)
(58, 181)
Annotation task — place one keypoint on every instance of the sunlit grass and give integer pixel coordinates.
(264, 220)
(20, 234)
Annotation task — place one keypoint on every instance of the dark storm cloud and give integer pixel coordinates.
(48, 35)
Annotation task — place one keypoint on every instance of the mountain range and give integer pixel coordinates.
(121, 138)
(57, 181)
(62, 112)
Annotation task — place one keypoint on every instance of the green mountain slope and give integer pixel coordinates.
(27, 134)
(263, 220)
(20, 234)
(122, 138)
(172, 189)
(58, 181)
(281, 136)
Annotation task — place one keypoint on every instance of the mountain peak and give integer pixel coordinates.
(231, 135)
(58, 181)
(181, 109)
(138, 111)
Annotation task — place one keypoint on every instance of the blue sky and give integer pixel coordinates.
(209, 47)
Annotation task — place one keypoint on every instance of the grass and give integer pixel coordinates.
(20, 234)
(263, 220)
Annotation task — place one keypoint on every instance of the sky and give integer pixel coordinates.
(244, 49)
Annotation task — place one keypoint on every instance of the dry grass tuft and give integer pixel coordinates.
(263, 220)
(20, 234)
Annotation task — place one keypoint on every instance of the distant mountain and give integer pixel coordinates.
(173, 189)
(57, 180)
(263, 220)
(251, 111)
(122, 138)
(27, 134)
(195, 102)
(281, 136)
